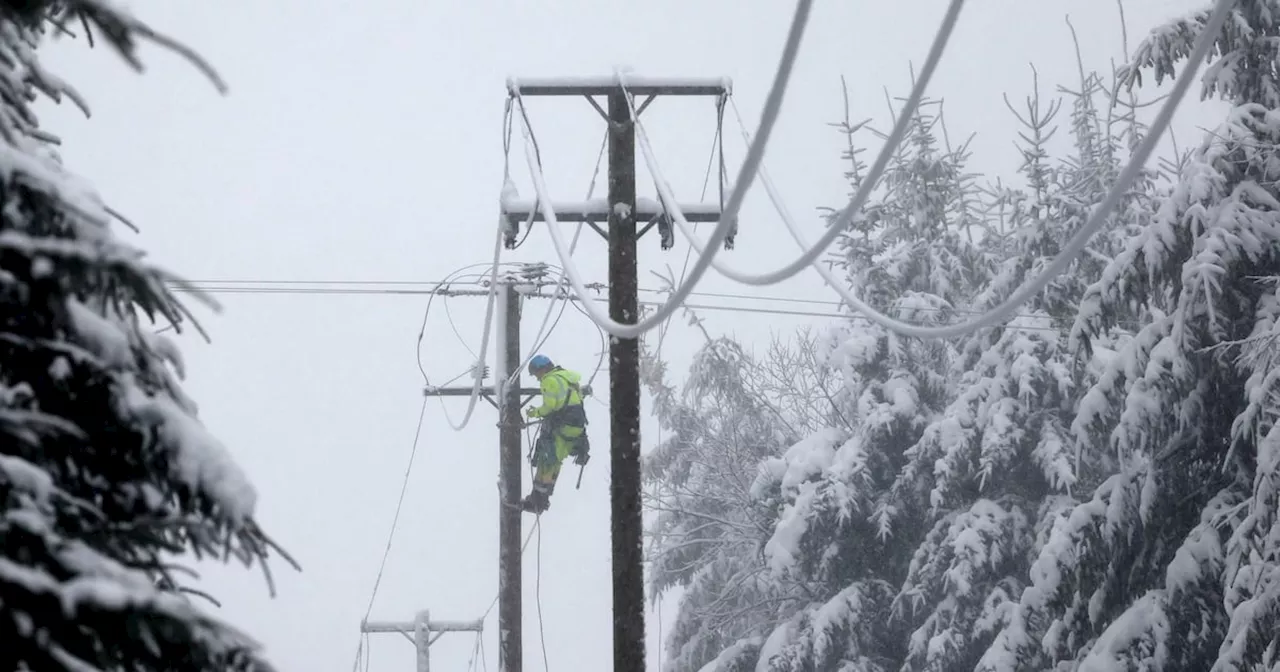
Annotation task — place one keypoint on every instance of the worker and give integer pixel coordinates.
(563, 432)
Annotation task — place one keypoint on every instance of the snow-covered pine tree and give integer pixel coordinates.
(732, 412)
(996, 467)
(838, 534)
(1173, 563)
(105, 473)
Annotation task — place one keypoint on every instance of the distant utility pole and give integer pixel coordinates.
(622, 211)
(508, 399)
(421, 630)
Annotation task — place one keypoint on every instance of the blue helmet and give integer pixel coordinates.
(539, 363)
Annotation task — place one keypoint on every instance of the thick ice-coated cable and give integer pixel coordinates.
(810, 255)
(478, 374)
(772, 107)
(1073, 247)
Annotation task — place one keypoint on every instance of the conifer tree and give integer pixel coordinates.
(1171, 564)
(997, 466)
(732, 412)
(105, 472)
(840, 533)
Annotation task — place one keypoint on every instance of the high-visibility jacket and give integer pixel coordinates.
(561, 399)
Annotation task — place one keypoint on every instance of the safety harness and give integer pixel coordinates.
(572, 415)
(569, 414)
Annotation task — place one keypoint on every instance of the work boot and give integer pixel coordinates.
(536, 502)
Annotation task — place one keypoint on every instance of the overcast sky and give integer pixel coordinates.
(362, 141)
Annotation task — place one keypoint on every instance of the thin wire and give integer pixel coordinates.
(448, 315)
(439, 284)
(494, 603)
(748, 170)
(197, 286)
(395, 519)
(537, 593)
(437, 288)
(478, 366)
(475, 651)
(604, 345)
(662, 659)
(576, 300)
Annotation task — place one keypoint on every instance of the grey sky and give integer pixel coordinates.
(363, 143)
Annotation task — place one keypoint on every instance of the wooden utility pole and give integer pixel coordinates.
(621, 211)
(510, 616)
(624, 396)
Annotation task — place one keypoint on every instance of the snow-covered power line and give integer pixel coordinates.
(756, 152)
(1074, 246)
(810, 254)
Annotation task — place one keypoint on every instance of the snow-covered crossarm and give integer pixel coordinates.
(517, 210)
(607, 84)
(423, 631)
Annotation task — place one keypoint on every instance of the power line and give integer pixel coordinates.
(334, 288)
(413, 288)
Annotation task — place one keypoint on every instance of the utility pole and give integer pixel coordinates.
(420, 630)
(508, 399)
(510, 616)
(624, 396)
(622, 211)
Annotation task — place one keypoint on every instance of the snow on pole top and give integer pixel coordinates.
(605, 84)
(597, 210)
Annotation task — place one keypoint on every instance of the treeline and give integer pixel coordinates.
(1092, 485)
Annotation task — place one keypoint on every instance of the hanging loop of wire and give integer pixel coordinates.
(855, 206)
(1072, 249)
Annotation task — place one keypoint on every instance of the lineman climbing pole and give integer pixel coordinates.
(508, 396)
(622, 211)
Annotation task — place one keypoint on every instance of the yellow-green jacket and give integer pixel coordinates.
(560, 392)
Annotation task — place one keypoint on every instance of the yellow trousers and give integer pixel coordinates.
(550, 454)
